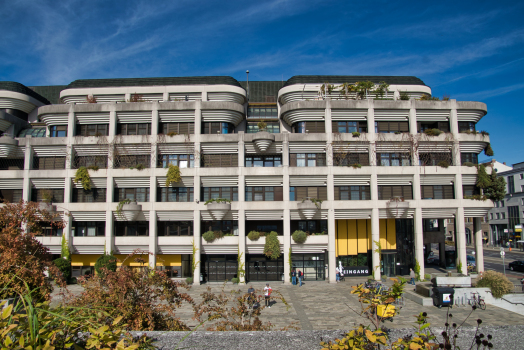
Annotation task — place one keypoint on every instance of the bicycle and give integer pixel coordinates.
(478, 301)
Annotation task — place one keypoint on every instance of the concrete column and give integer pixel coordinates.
(165, 96)
(287, 242)
(419, 239)
(127, 97)
(371, 120)
(109, 213)
(198, 127)
(460, 229)
(329, 133)
(241, 149)
(112, 121)
(242, 234)
(479, 250)
(152, 239)
(68, 231)
(71, 124)
(453, 128)
(457, 185)
(154, 119)
(412, 118)
(197, 242)
(417, 193)
(375, 237)
(332, 245)
(285, 150)
(28, 164)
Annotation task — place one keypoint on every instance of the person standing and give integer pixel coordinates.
(337, 272)
(294, 277)
(300, 277)
(412, 275)
(251, 298)
(267, 294)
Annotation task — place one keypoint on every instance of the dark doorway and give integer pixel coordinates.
(219, 268)
(261, 268)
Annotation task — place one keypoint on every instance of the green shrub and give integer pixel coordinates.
(272, 246)
(443, 164)
(108, 261)
(489, 151)
(82, 176)
(189, 280)
(253, 235)
(468, 164)
(64, 266)
(356, 166)
(209, 236)
(355, 134)
(497, 282)
(404, 96)
(299, 236)
(432, 132)
(235, 280)
(427, 276)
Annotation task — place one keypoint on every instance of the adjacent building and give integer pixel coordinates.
(371, 177)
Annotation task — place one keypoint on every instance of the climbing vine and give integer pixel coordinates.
(120, 205)
(82, 176)
(241, 272)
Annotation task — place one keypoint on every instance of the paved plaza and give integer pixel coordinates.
(326, 306)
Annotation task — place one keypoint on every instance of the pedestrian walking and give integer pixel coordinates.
(294, 277)
(251, 298)
(412, 275)
(267, 294)
(337, 272)
(300, 277)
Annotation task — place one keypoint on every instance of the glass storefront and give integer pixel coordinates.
(312, 265)
(261, 268)
(219, 268)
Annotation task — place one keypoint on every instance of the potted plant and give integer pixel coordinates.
(309, 206)
(128, 209)
(299, 237)
(253, 235)
(262, 138)
(218, 207)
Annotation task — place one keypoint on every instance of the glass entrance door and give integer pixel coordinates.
(261, 268)
(388, 264)
(219, 268)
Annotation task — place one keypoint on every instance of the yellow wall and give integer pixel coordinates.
(354, 236)
(84, 259)
(131, 261)
(169, 260)
(162, 260)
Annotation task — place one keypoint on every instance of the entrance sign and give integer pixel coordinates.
(356, 271)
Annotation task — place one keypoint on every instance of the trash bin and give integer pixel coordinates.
(443, 296)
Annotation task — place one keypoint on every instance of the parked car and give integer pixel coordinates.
(431, 258)
(471, 260)
(517, 265)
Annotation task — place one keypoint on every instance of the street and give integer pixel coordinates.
(493, 261)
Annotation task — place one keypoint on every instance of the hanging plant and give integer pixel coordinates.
(173, 175)
(299, 236)
(488, 150)
(120, 206)
(253, 235)
(82, 176)
(272, 246)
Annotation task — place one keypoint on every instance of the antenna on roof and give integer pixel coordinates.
(247, 73)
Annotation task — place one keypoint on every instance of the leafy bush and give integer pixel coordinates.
(235, 280)
(189, 280)
(497, 282)
(253, 235)
(404, 96)
(356, 166)
(272, 246)
(484, 133)
(443, 164)
(64, 266)
(209, 236)
(82, 176)
(468, 164)
(489, 151)
(355, 134)
(217, 200)
(173, 175)
(107, 261)
(427, 276)
(432, 132)
(299, 236)
(483, 180)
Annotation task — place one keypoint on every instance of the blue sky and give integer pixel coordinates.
(470, 50)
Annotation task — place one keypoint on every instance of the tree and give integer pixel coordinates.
(483, 180)
(497, 188)
(22, 258)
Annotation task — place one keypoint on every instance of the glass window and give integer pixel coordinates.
(59, 131)
(301, 159)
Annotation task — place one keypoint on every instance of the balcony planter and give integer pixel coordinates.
(309, 208)
(397, 207)
(129, 210)
(8, 145)
(218, 210)
(263, 140)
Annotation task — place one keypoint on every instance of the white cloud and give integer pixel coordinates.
(487, 94)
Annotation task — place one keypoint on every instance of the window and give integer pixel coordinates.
(226, 226)
(431, 225)
(42, 163)
(264, 193)
(140, 194)
(11, 163)
(521, 188)
(92, 130)
(391, 127)
(95, 195)
(498, 216)
(307, 159)
(309, 127)
(218, 128)
(466, 127)
(503, 216)
(132, 161)
(428, 159)
(511, 184)
(177, 128)
(301, 193)
(470, 190)
(219, 160)
(502, 203)
(90, 161)
(347, 127)
(387, 192)
(134, 129)
(262, 112)
(263, 161)
(469, 158)
(491, 216)
(423, 126)
(49, 230)
(309, 226)
(393, 159)
(230, 193)
(175, 228)
(175, 194)
(137, 228)
(89, 228)
(180, 160)
(55, 194)
(272, 127)
(352, 193)
(513, 216)
(521, 176)
(347, 159)
(438, 192)
(12, 196)
(58, 131)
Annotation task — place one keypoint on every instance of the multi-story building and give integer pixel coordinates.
(381, 179)
(507, 216)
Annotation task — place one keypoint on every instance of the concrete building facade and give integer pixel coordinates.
(364, 175)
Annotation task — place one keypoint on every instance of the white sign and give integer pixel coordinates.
(505, 230)
(502, 253)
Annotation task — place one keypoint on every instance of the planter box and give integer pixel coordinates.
(218, 210)
(227, 240)
(456, 281)
(397, 208)
(263, 140)
(308, 209)
(131, 210)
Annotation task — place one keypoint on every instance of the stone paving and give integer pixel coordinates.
(328, 306)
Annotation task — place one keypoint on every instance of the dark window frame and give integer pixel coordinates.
(133, 129)
(223, 160)
(349, 193)
(349, 127)
(387, 192)
(265, 159)
(390, 127)
(58, 131)
(211, 128)
(57, 194)
(163, 194)
(99, 226)
(95, 195)
(99, 130)
(468, 157)
(391, 157)
(225, 192)
(11, 195)
(348, 159)
(132, 194)
(294, 159)
(165, 160)
(264, 192)
(299, 193)
(49, 163)
(127, 228)
(437, 191)
(175, 228)
(177, 128)
(272, 127)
